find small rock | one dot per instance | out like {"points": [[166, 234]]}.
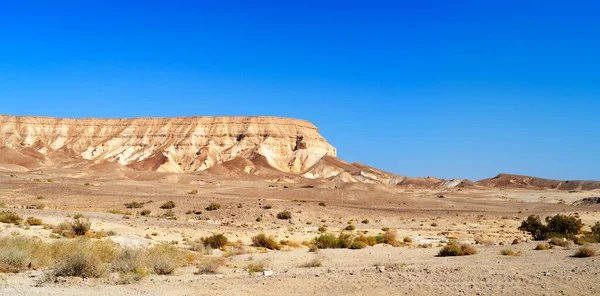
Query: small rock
{"points": [[268, 273]]}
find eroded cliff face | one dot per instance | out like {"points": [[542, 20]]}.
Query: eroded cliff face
{"points": [[182, 144]]}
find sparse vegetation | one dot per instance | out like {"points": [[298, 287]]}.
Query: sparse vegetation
{"points": [[322, 204], [407, 240], [350, 227], [454, 249], [213, 206], [264, 241], [285, 215], [365, 221], [145, 212], [168, 205], [267, 207], [322, 228]]}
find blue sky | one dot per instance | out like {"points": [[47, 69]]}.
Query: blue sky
{"points": [[453, 89]]}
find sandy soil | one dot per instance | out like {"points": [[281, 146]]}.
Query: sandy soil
{"points": [[488, 216]]}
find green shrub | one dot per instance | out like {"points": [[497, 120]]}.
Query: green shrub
{"points": [[330, 241], [365, 221], [285, 215], [596, 232], [78, 216], [350, 227], [213, 206], [168, 205], [322, 228], [358, 245], [215, 241], [454, 249], [10, 217], [557, 226], [263, 241]]}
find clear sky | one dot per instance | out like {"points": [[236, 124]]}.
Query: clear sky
{"points": [[453, 89]]}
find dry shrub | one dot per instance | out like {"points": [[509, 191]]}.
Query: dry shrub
{"points": [[168, 205], [585, 252], [130, 261], [213, 206], [84, 258], [77, 227], [264, 241], [32, 221], [390, 238], [211, 266], [16, 252], [407, 240], [285, 215], [215, 241], [81, 264], [350, 227], [163, 259], [199, 246], [10, 217], [454, 249]]}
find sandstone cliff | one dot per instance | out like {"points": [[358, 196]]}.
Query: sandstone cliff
{"points": [[182, 144]]}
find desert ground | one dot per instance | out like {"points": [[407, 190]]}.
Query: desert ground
{"points": [[487, 218]]}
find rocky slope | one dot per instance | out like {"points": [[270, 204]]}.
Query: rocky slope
{"points": [[182, 144]]}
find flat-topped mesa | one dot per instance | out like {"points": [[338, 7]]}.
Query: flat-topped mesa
{"points": [[179, 144]]}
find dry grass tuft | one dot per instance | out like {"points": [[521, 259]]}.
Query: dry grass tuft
{"points": [[584, 252]]}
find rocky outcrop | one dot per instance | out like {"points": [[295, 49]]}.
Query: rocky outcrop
{"points": [[181, 144]]}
